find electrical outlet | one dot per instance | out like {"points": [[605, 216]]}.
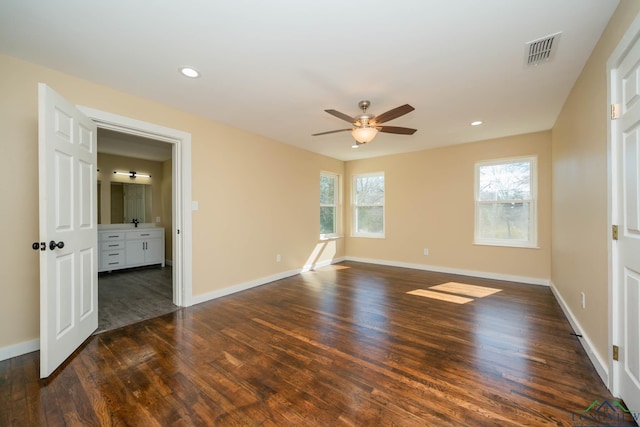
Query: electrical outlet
{"points": [[426, 251], [583, 300], [278, 258]]}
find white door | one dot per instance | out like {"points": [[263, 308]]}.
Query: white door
{"points": [[68, 270], [626, 137]]}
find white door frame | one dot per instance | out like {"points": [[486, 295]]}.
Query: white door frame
{"points": [[615, 329], [181, 187]]}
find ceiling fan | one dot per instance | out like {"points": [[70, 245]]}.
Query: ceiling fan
{"points": [[366, 126]]}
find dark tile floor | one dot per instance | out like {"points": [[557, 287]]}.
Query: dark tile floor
{"points": [[131, 295]]}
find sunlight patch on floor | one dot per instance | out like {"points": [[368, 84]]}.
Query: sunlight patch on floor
{"points": [[451, 292], [440, 296], [464, 289]]}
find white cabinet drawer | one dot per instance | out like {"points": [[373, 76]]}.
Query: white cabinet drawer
{"points": [[144, 234], [112, 259], [111, 235], [110, 246]]}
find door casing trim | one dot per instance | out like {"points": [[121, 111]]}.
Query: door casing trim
{"points": [[181, 183]]}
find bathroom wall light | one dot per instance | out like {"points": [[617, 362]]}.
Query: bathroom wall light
{"points": [[133, 174]]}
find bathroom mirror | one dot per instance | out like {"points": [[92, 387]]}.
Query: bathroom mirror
{"points": [[129, 202]]}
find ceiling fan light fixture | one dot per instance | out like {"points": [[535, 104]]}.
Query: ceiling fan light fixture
{"points": [[363, 135]]}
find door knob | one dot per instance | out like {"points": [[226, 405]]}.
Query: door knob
{"points": [[39, 245], [53, 245]]}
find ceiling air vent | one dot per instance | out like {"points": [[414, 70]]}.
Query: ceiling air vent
{"points": [[541, 50]]}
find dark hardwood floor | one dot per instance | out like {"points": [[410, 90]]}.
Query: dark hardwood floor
{"points": [[134, 294], [342, 346]]}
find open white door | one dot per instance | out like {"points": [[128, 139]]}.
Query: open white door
{"points": [[68, 264], [626, 308]]}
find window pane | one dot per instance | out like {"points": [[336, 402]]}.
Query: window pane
{"points": [[327, 220], [370, 190], [504, 221], [369, 219], [327, 190], [509, 181]]}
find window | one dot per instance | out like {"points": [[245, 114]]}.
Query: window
{"points": [[506, 202], [368, 205], [328, 204]]}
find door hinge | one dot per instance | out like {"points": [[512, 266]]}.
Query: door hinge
{"points": [[615, 111], [614, 232], [616, 351]]}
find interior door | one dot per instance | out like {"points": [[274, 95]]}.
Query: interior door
{"points": [[626, 136], [69, 263]]}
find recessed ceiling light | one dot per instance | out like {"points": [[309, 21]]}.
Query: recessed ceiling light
{"points": [[189, 72], [476, 123]]}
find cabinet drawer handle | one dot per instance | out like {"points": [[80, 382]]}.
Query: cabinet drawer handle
{"points": [[145, 234], [112, 246], [113, 263], [114, 254], [113, 236]]}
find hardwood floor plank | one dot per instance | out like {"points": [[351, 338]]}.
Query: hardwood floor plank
{"points": [[333, 347]]}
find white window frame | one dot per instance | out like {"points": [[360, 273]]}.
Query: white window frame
{"points": [[335, 205], [532, 242], [355, 206]]}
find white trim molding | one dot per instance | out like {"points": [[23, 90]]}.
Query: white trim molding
{"points": [[261, 281], [598, 362], [19, 349], [473, 273], [181, 189]]}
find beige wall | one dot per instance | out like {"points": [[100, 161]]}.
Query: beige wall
{"points": [[580, 189], [107, 163], [429, 203], [258, 197]]}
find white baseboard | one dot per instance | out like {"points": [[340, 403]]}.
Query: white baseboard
{"points": [[19, 349], [309, 267], [261, 281], [473, 273], [197, 299], [598, 362]]}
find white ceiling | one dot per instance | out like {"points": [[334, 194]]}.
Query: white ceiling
{"points": [[272, 67]]}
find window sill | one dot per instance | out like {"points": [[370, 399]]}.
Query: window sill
{"points": [[369, 236], [508, 245], [331, 237]]}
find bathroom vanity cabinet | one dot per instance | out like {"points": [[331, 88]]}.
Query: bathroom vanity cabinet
{"points": [[130, 247]]}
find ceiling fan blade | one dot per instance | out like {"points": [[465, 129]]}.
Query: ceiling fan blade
{"points": [[394, 114], [396, 129], [331, 131], [342, 116]]}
